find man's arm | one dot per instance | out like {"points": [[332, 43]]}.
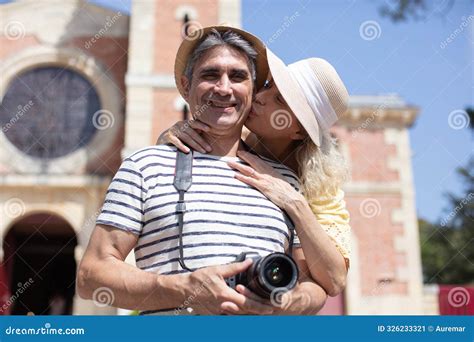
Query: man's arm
{"points": [[103, 265]]}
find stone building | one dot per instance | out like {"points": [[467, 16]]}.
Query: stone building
{"points": [[82, 86]]}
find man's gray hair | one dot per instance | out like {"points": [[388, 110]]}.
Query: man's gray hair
{"points": [[228, 38]]}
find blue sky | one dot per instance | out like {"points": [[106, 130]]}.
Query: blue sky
{"points": [[408, 58]]}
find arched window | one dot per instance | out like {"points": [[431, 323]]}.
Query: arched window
{"points": [[47, 112]]}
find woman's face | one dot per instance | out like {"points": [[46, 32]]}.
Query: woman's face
{"points": [[270, 116]]}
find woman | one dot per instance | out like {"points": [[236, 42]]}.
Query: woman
{"points": [[289, 122]]}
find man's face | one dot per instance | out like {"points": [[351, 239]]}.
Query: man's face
{"points": [[221, 89]]}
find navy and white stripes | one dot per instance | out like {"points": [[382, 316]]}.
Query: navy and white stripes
{"points": [[224, 216]]}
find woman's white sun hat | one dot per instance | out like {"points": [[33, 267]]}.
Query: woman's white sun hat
{"points": [[313, 90]]}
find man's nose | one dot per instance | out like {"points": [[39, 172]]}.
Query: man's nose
{"points": [[223, 86]]}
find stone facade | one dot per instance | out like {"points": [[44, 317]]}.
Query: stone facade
{"points": [[93, 42], [385, 275]]}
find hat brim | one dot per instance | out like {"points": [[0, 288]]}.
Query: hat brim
{"points": [[189, 44], [294, 97]]}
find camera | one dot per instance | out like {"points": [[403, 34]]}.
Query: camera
{"points": [[268, 276]]}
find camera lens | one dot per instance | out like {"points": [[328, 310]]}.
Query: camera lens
{"points": [[273, 271], [279, 270], [274, 274]]}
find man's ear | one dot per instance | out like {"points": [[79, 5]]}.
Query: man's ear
{"points": [[185, 83]]}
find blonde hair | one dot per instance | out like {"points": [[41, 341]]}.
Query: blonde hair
{"points": [[322, 170]]}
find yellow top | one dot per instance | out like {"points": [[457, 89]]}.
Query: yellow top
{"points": [[333, 216]]}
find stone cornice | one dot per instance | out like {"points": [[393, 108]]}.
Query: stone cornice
{"points": [[60, 21], [374, 112], [56, 181]]}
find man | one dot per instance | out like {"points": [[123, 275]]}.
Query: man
{"points": [[224, 216]]}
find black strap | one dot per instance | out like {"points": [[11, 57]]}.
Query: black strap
{"points": [[183, 178], [291, 227]]}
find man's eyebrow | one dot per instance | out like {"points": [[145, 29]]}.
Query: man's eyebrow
{"points": [[234, 71], [240, 71], [208, 69]]}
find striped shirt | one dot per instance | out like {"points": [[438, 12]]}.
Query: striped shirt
{"points": [[223, 218]]}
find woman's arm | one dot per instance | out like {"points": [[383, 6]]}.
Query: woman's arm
{"points": [[188, 133], [184, 133], [307, 298], [326, 264]]}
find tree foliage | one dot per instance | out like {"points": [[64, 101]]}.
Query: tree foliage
{"points": [[447, 247], [404, 10]]}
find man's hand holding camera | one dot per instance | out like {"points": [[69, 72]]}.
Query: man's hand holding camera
{"points": [[206, 291], [294, 302]]}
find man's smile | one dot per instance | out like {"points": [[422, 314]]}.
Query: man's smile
{"points": [[221, 104]]}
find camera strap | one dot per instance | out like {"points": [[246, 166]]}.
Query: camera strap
{"points": [[183, 178], [291, 227]]}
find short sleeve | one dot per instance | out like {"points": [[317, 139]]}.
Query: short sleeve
{"points": [[123, 205], [333, 216]]}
